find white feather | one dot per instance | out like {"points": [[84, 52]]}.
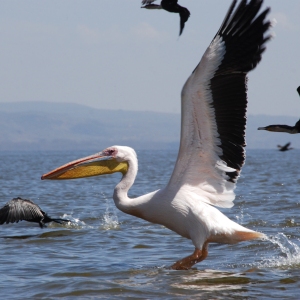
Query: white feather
{"points": [[198, 167]]}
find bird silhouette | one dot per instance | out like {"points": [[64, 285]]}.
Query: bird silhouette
{"points": [[284, 128], [170, 6], [19, 209], [286, 147]]}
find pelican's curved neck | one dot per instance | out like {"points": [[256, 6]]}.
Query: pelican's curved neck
{"points": [[120, 192]]}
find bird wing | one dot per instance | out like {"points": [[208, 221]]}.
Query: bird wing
{"points": [[146, 2], [298, 90], [286, 146], [214, 102], [184, 15], [19, 209]]}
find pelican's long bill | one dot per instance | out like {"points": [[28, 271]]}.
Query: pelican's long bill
{"points": [[93, 165]]}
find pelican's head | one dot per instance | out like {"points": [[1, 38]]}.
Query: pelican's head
{"points": [[110, 160]]}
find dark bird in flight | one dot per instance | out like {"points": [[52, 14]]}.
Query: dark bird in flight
{"points": [[170, 6], [286, 147], [284, 128], [19, 209]]}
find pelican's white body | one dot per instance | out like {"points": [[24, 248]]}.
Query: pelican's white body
{"points": [[179, 210], [199, 181]]}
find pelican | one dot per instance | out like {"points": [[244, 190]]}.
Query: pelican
{"points": [[286, 147], [170, 6], [211, 152], [284, 128], [19, 209]]}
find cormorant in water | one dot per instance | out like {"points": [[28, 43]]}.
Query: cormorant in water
{"points": [[284, 128], [19, 209], [286, 147], [170, 6]]}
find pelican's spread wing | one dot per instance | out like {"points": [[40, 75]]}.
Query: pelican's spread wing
{"points": [[214, 102], [19, 209]]}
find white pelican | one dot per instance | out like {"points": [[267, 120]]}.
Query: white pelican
{"points": [[18, 209], [170, 6], [211, 153], [284, 128]]}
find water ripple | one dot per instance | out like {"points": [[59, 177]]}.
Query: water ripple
{"points": [[104, 254]]}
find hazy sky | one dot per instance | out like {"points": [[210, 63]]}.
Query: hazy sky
{"points": [[112, 54]]}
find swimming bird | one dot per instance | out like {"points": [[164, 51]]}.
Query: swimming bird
{"points": [[286, 147], [19, 209], [211, 152], [283, 128], [170, 6]]}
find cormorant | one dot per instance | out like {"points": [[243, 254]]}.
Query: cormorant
{"points": [[19, 209], [286, 147], [284, 128], [170, 6]]}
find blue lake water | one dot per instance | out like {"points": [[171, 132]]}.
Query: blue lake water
{"points": [[105, 254]]}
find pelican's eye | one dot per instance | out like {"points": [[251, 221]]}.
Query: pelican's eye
{"points": [[110, 152]]}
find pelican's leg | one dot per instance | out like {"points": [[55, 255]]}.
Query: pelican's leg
{"points": [[187, 262]]}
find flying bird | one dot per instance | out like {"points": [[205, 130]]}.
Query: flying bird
{"points": [[286, 147], [170, 6], [211, 153], [19, 209], [284, 128]]}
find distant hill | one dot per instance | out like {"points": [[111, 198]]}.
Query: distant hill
{"points": [[64, 126], [53, 126]]}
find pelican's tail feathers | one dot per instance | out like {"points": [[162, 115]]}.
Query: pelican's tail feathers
{"points": [[240, 236]]}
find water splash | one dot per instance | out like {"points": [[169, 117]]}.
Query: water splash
{"points": [[289, 256], [240, 217], [243, 217], [74, 222], [110, 218]]}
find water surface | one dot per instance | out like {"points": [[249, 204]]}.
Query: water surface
{"points": [[105, 254]]}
